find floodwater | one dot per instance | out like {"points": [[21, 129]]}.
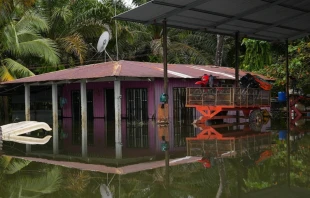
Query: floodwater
{"points": [[229, 160]]}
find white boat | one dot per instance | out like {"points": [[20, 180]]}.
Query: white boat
{"points": [[12, 132]]}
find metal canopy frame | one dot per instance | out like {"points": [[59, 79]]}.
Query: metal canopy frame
{"points": [[270, 20]]}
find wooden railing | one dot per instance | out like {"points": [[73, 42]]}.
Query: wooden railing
{"points": [[227, 96]]}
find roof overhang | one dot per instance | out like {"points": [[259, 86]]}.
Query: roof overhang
{"points": [[270, 20]]}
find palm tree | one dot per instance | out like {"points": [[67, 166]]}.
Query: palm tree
{"points": [[22, 43], [75, 24], [257, 54]]}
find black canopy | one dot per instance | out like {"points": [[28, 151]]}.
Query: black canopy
{"points": [[270, 20]]}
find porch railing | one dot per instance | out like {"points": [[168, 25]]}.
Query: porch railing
{"points": [[227, 96], [229, 147]]}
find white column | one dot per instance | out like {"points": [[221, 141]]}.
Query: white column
{"points": [[118, 126], [84, 117], [55, 119], [27, 111]]}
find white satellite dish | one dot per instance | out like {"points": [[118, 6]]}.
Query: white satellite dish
{"points": [[105, 191], [103, 41]]}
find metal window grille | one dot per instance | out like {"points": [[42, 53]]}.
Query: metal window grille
{"points": [[137, 110], [183, 118], [137, 136]]}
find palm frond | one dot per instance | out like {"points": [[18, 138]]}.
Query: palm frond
{"points": [[45, 49], [9, 40], [30, 186], [5, 75], [187, 54], [74, 44], [16, 68], [61, 14], [5, 161], [6, 8], [96, 27], [34, 21], [27, 35], [10, 165]]}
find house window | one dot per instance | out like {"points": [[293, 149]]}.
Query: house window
{"points": [[183, 118], [137, 110]]}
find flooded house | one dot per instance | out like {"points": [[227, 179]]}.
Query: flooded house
{"points": [[112, 104]]}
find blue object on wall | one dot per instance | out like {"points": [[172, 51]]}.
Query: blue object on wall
{"points": [[281, 96], [164, 98], [282, 134]]}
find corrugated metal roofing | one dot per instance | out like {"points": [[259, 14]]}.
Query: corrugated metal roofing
{"points": [[131, 69], [260, 19]]}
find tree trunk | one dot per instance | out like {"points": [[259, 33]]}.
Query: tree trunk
{"points": [[219, 50]]}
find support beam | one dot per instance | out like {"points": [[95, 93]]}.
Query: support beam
{"points": [[55, 119], [118, 119], [165, 57], [165, 49], [84, 117], [288, 115], [237, 45], [27, 111]]}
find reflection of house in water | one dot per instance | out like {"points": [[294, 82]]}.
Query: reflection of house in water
{"points": [[138, 139], [228, 140]]}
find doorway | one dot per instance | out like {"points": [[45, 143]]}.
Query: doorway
{"points": [[110, 117], [76, 104]]}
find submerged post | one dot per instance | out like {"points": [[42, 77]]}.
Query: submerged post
{"points": [[237, 68], [27, 111], [287, 114], [165, 49], [84, 117], [118, 129], [237, 59], [55, 118]]}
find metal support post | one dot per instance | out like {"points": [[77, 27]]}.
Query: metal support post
{"points": [[84, 117], [55, 118], [118, 119]]}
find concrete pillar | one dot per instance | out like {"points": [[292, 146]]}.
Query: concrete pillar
{"points": [[55, 119], [27, 111], [84, 117], [118, 119]]}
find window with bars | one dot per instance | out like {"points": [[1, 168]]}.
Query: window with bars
{"points": [[183, 117], [137, 136], [137, 110]]}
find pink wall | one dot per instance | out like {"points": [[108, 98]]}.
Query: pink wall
{"points": [[99, 96]]}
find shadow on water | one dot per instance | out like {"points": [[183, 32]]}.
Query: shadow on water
{"points": [[234, 161]]}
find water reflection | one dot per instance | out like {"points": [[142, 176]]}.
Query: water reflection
{"points": [[243, 163], [139, 140]]}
